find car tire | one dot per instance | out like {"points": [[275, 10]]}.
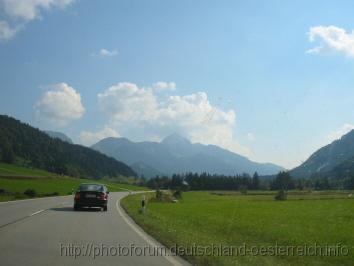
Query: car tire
{"points": [[105, 208]]}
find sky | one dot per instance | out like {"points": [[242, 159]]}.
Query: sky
{"points": [[271, 80]]}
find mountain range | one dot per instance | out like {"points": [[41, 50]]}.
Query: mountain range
{"points": [[333, 160], [176, 154]]}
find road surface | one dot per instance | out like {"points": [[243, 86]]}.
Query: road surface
{"points": [[48, 232]]}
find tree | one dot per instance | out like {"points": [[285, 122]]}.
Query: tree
{"points": [[283, 181], [255, 181], [349, 183], [7, 154]]}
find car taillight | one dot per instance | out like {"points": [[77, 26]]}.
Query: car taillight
{"points": [[103, 196], [77, 196]]}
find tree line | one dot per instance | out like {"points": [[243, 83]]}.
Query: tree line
{"points": [[282, 181]]}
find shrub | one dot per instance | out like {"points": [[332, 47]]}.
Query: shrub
{"points": [[164, 196], [243, 190], [158, 194], [177, 194], [30, 193], [51, 194], [281, 195]]}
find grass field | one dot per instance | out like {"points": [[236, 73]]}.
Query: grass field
{"points": [[15, 180], [234, 219]]}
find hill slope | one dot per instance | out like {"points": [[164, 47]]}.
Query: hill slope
{"points": [[21, 142], [176, 154], [335, 159]]}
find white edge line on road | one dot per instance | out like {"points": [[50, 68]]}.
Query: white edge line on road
{"points": [[143, 234], [37, 212]]}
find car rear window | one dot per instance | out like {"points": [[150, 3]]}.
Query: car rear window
{"points": [[91, 187]]}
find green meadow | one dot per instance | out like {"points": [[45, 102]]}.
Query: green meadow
{"points": [[14, 180], [203, 219]]}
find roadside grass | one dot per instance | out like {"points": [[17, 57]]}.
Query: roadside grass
{"points": [[15, 180], [255, 219]]}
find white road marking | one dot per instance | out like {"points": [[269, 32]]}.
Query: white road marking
{"points": [[37, 212], [143, 235]]}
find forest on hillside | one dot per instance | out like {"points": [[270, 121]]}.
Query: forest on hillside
{"points": [[22, 144]]}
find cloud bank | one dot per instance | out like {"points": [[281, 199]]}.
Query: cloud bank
{"points": [[60, 105], [145, 113], [88, 138]]}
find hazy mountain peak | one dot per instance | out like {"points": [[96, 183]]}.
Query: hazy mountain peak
{"points": [[175, 139], [59, 135]]}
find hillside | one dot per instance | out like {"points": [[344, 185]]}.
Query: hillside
{"points": [[21, 143], [333, 160], [176, 154]]}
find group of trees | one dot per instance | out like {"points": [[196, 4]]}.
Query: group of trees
{"points": [[21, 142], [205, 181], [282, 181]]}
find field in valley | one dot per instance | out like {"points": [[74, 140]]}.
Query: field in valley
{"points": [[15, 180], [256, 219]]}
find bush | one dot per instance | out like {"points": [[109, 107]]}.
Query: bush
{"points": [[243, 190], [158, 194], [51, 194], [281, 195], [164, 196], [30, 193], [177, 194]]}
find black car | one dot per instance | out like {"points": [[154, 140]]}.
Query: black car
{"points": [[91, 195]]}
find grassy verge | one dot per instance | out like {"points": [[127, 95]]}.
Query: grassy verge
{"points": [[15, 180], [234, 219]]}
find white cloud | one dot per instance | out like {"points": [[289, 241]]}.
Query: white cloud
{"points": [[103, 53], [333, 38], [6, 31], [23, 11], [337, 134], [60, 105], [31, 9], [89, 138], [163, 86], [142, 113]]}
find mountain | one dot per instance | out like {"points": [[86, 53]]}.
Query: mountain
{"points": [[176, 154], [333, 160], [21, 143], [58, 135], [145, 170]]}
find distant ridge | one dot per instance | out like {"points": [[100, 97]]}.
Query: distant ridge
{"points": [[176, 154], [59, 135]]}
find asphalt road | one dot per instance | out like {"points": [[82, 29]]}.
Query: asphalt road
{"points": [[48, 232]]}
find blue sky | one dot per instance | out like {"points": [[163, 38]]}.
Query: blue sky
{"points": [[272, 80]]}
